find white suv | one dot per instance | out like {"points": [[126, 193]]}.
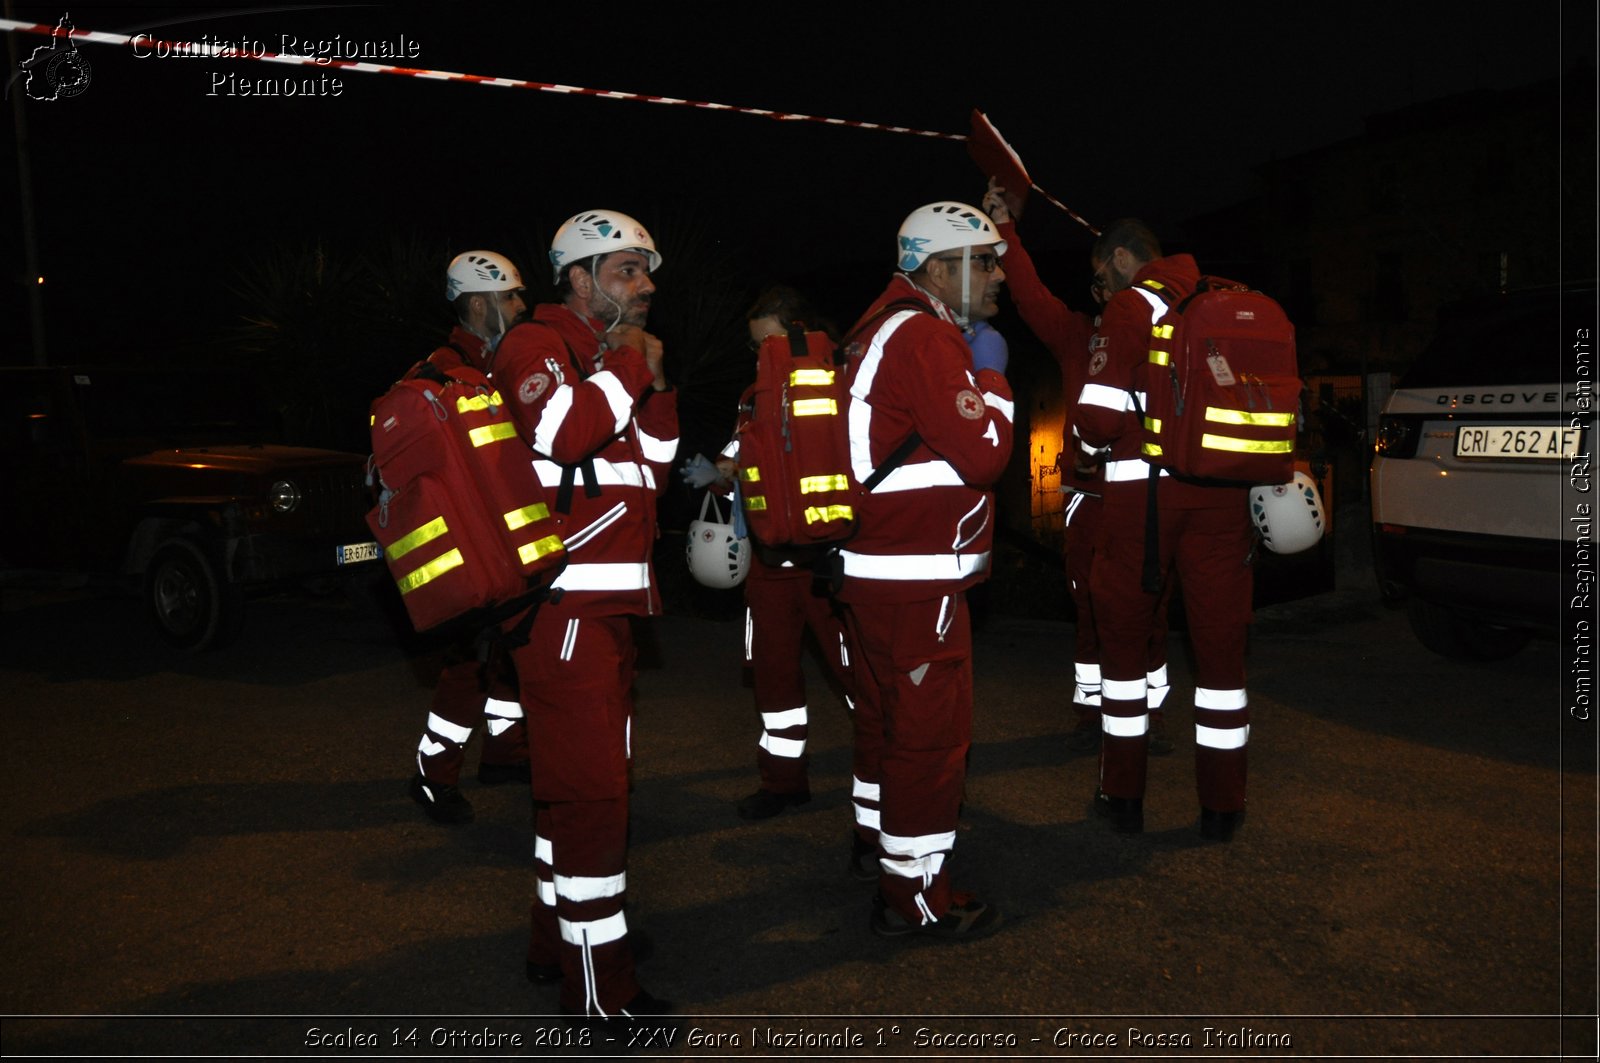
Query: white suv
{"points": [[1472, 453]]}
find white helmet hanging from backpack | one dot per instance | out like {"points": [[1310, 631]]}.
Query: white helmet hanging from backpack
{"points": [[718, 556], [1288, 516], [480, 271], [599, 232]]}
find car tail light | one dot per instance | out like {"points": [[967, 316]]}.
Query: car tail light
{"points": [[1397, 436]]}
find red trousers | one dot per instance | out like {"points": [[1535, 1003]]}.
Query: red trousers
{"points": [[1205, 537], [913, 728], [1082, 535], [780, 606], [576, 677], [471, 690]]}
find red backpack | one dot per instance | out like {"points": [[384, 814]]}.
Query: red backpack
{"points": [[794, 441], [463, 519], [1223, 388]]}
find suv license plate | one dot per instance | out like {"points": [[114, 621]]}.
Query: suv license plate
{"points": [[349, 555], [1517, 441]]}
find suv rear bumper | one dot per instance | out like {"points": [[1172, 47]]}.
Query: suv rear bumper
{"points": [[1502, 580]]}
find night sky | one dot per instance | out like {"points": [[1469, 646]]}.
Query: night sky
{"points": [[153, 196]]}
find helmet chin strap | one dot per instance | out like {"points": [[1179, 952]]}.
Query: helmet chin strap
{"points": [[965, 315], [490, 342], [594, 276]]}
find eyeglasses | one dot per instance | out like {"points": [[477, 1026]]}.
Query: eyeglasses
{"points": [[985, 262]]}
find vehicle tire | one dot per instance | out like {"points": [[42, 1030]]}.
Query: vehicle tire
{"points": [[193, 606], [1461, 638]]}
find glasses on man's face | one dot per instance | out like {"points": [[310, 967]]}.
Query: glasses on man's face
{"points": [[985, 262]]}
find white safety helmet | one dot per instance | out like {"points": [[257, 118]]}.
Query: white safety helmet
{"points": [[1289, 516], [717, 557], [942, 227], [599, 232], [480, 271]]}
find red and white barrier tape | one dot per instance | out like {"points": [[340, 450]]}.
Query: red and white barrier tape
{"points": [[226, 52]]}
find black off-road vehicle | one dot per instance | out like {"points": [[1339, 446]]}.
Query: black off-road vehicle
{"points": [[167, 482]]}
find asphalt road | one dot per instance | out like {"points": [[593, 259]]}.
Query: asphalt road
{"points": [[215, 855]]}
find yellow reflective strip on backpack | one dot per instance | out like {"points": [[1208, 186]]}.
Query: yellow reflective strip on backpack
{"points": [[756, 502], [815, 407], [432, 570], [521, 518], [1247, 446], [1258, 420], [810, 485], [1153, 424], [1155, 286], [411, 540], [1159, 357], [1161, 332], [492, 433], [530, 552], [810, 377], [1151, 450], [816, 513], [469, 403], [751, 475]]}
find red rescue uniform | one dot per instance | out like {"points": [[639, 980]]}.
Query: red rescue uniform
{"points": [[469, 690], [1204, 536], [1072, 338], [924, 537], [603, 441]]}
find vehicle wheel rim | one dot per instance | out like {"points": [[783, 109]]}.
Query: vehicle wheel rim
{"points": [[177, 596]]}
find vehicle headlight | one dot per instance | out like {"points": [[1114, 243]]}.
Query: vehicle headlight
{"points": [[285, 496]]}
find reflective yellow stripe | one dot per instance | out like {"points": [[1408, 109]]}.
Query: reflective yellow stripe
{"points": [[492, 433], [1159, 357], [750, 475], [1247, 446], [755, 502], [1153, 424], [816, 513], [410, 541], [531, 552], [810, 377], [437, 567], [1260, 420], [1155, 286], [810, 485], [1161, 332], [1151, 450], [521, 518], [466, 404], [815, 407]]}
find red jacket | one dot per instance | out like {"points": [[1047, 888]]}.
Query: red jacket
{"points": [[925, 531], [1068, 335], [581, 408]]}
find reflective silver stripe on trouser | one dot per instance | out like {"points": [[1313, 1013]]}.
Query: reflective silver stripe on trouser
{"points": [[500, 716], [1086, 684], [1156, 687], [919, 857], [569, 642], [1124, 690], [780, 721], [544, 854], [866, 818], [586, 936], [1221, 701], [749, 634], [450, 733]]}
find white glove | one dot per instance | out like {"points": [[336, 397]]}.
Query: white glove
{"points": [[699, 472]]}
